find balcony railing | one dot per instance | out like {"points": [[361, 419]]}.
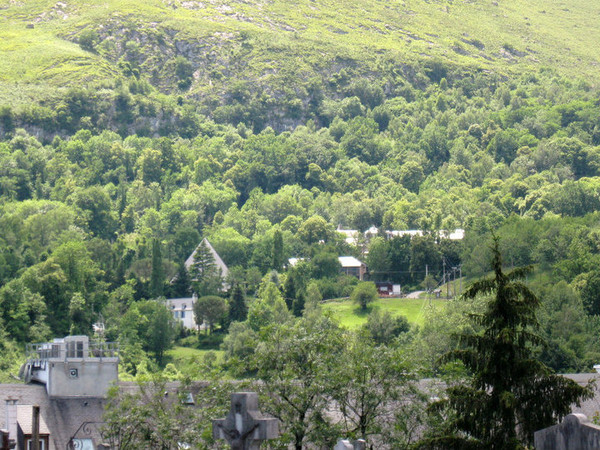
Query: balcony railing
{"points": [[72, 349]]}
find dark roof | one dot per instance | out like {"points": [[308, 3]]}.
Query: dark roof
{"points": [[25, 420], [62, 416]]}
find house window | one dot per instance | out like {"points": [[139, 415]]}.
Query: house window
{"points": [[42, 444], [175, 314], [75, 349], [183, 314]]}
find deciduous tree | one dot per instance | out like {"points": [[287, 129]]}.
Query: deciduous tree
{"points": [[210, 309], [364, 293]]}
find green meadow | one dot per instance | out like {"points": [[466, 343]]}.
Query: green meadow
{"points": [[275, 41], [351, 316]]}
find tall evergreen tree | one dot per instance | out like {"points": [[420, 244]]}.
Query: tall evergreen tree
{"points": [[181, 284], [238, 311], [289, 289], [204, 262], [298, 306], [157, 277], [511, 394], [278, 258], [205, 274]]}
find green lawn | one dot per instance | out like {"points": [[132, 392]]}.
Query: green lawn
{"points": [[350, 315], [184, 357]]}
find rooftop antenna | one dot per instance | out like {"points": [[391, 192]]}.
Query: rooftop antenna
{"points": [[99, 328]]}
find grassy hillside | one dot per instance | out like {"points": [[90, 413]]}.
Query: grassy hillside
{"points": [[274, 43]]}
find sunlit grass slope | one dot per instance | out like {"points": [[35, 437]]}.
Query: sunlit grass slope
{"points": [[303, 35], [351, 316]]}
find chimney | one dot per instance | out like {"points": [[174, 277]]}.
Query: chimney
{"points": [[11, 417]]}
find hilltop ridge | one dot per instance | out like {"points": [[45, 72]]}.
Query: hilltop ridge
{"points": [[280, 46]]}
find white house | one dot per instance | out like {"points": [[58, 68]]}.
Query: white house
{"points": [[350, 236], [183, 311]]}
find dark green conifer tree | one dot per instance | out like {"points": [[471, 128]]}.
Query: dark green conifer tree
{"points": [[205, 274], [278, 258], [204, 262], [157, 277], [289, 289], [298, 306], [238, 311], [181, 284], [511, 394]]}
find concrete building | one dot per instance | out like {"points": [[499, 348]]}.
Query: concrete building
{"points": [[72, 366], [68, 379]]}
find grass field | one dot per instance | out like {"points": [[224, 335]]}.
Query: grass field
{"points": [[38, 38], [184, 357], [350, 315]]}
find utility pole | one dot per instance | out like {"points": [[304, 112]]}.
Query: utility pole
{"points": [[427, 283], [460, 279], [35, 435], [444, 282], [454, 281]]}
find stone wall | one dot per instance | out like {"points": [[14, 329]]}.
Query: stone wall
{"points": [[575, 432]]}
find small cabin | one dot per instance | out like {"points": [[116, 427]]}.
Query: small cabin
{"points": [[352, 266]]}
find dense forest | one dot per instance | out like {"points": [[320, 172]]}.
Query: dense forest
{"points": [[114, 170]]}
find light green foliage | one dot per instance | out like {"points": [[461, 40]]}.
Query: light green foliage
{"points": [[293, 364], [23, 313], [268, 308], [238, 346], [363, 294], [378, 260], [80, 315], [314, 230], [369, 378], [384, 328], [147, 418], [150, 325], [325, 264]]}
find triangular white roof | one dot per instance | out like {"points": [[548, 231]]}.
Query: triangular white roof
{"points": [[218, 261]]}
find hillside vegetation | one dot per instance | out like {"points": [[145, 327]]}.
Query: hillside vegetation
{"points": [[130, 131], [283, 50]]}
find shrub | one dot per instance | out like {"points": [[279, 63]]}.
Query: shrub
{"points": [[364, 293]]}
